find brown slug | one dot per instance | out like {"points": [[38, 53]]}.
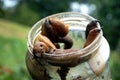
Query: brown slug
{"points": [[90, 26], [68, 42], [44, 39], [93, 33], [59, 27], [40, 48], [57, 32]]}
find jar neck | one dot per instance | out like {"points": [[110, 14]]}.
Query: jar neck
{"points": [[65, 57]]}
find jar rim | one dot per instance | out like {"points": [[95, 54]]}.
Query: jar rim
{"points": [[88, 49]]}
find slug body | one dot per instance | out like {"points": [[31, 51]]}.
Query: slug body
{"points": [[59, 27], [42, 38], [90, 26], [57, 32], [39, 49], [91, 36]]}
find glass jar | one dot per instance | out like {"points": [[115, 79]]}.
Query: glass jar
{"points": [[94, 59]]}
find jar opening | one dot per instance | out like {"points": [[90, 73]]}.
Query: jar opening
{"points": [[77, 23]]}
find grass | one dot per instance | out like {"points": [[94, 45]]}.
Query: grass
{"points": [[11, 29], [13, 37], [13, 49], [115, 65]]}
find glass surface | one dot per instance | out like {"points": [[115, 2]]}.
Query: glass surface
{"points": [[77, 25]]}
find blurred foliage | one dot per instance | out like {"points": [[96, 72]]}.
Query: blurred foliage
{"points": [[108, 12], [1, 10], [30, 11], [115, 65]]}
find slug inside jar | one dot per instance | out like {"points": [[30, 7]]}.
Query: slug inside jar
{"points": [[81, 62]]}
